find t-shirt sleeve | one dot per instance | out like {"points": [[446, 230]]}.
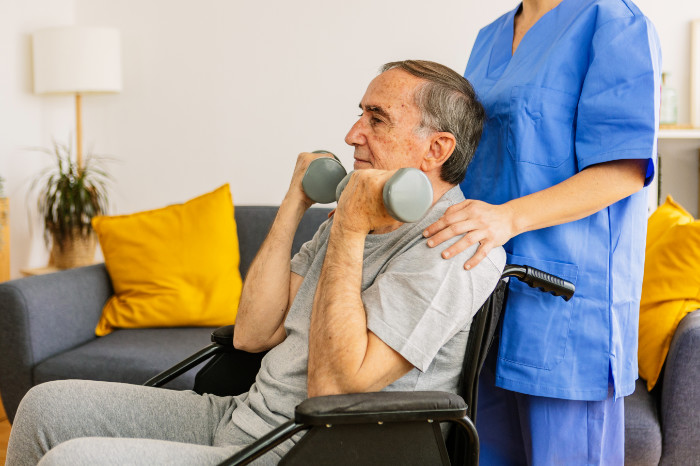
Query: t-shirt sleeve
{"points": [[419, 301], [618, 110], [301, 262]]}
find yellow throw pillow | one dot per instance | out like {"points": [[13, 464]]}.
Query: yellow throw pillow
{"points": [[671, 287], [665, 217], [172, 267]]}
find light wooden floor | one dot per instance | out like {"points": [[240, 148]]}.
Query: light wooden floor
{"points": [[4, 434]]}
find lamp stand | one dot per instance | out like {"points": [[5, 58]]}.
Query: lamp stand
{"points": [[78, 133]]}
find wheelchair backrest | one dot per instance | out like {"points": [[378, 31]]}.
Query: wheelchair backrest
{"points": [[481, 333]]}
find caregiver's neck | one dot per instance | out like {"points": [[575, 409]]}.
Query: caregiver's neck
{"points": [[531, 11]]}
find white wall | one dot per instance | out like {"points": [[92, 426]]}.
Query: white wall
{"points": [[26, 120], [220, 91]]}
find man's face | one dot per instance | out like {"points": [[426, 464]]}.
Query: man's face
{"points": [[385, 136]]}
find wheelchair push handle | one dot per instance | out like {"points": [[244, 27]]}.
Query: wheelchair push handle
{"points": [[537, 278]]}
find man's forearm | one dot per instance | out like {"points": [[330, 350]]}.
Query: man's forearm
{"points": [[266, 291], [338, 336]]}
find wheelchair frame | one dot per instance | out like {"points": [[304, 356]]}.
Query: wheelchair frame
{"points": [[411, 416]]}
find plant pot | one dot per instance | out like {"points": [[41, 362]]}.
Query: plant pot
{"points": [[76, 251]]}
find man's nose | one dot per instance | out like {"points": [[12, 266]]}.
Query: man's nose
{"points": [[355, 136]]}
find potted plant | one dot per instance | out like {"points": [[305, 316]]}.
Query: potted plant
{"points": [[69, 197]]}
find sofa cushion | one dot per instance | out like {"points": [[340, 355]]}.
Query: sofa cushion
{"points": [[131, 356], [642, 428], [172, 267]]}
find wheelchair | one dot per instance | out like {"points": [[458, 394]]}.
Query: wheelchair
{"points": [[369, 428]]}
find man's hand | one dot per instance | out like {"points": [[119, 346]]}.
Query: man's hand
{"points": [[490, 225], [361, 206], [295, 189]]}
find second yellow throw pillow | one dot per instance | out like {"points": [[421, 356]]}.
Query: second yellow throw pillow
{"points": [[671, 287], [172, 267]]}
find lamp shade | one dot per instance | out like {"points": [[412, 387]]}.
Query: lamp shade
{"points": [[77, 60]]}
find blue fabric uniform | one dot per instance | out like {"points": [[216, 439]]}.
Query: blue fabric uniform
{"points": [[518, 429], [582, 88]]}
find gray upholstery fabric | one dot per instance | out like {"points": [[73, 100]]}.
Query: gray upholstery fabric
{"points": [[43, 316], [642, 429], [47, 323], [253, 223], [680, 399], [668, 432], [131, 356]]}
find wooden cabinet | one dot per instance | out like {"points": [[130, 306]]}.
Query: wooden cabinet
{"points": [[4, 239]]}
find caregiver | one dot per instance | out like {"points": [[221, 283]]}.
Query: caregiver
{"points": [[571, 91]]}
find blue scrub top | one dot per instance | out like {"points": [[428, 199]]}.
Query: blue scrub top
{"points": [[582, 88]]}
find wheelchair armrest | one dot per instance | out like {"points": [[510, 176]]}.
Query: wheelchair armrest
{"points": [[363, 408], [379, 407], [222, 340], [223, 335]]}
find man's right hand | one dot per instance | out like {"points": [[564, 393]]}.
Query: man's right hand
{"points": [[296, 192], [361, 207]]}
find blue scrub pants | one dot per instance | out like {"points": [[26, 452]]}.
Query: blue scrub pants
{"points": [[523, 429]]}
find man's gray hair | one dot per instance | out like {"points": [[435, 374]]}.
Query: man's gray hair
{"points": [[447, 102]]}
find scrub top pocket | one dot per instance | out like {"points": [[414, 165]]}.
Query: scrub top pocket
{"points": [[540, 125], [538, 323]]}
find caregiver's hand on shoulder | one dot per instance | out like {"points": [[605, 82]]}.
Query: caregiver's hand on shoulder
{"points": [[479, 222]]}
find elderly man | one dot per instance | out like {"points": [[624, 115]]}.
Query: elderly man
{"points": [[364, 306]]}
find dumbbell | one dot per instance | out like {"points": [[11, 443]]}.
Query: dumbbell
{"points": [[407, 195], [321, 178]]}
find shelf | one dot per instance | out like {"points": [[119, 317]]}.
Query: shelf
{"points": [[679, 133], [39, 271]]}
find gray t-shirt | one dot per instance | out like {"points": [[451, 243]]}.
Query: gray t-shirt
{"points": [[418, 303]]}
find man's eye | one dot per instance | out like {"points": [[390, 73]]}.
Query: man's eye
{"points": [[373, 120]]}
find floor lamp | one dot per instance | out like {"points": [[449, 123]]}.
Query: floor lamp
{"points": [[77, 60]]}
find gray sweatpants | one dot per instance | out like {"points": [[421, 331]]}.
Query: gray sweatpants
{"points": [[78, 422]]}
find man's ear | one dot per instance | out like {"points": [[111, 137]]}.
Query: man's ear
{"points": [[442, 145]]}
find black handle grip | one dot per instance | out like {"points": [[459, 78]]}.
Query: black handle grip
{"points": [[536, 278]]}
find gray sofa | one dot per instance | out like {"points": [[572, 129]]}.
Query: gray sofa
{"points": [[47, 323], [663, 427]]}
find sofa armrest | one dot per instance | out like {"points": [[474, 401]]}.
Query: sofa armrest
{"points": [[680, 399], [43, 316]]}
